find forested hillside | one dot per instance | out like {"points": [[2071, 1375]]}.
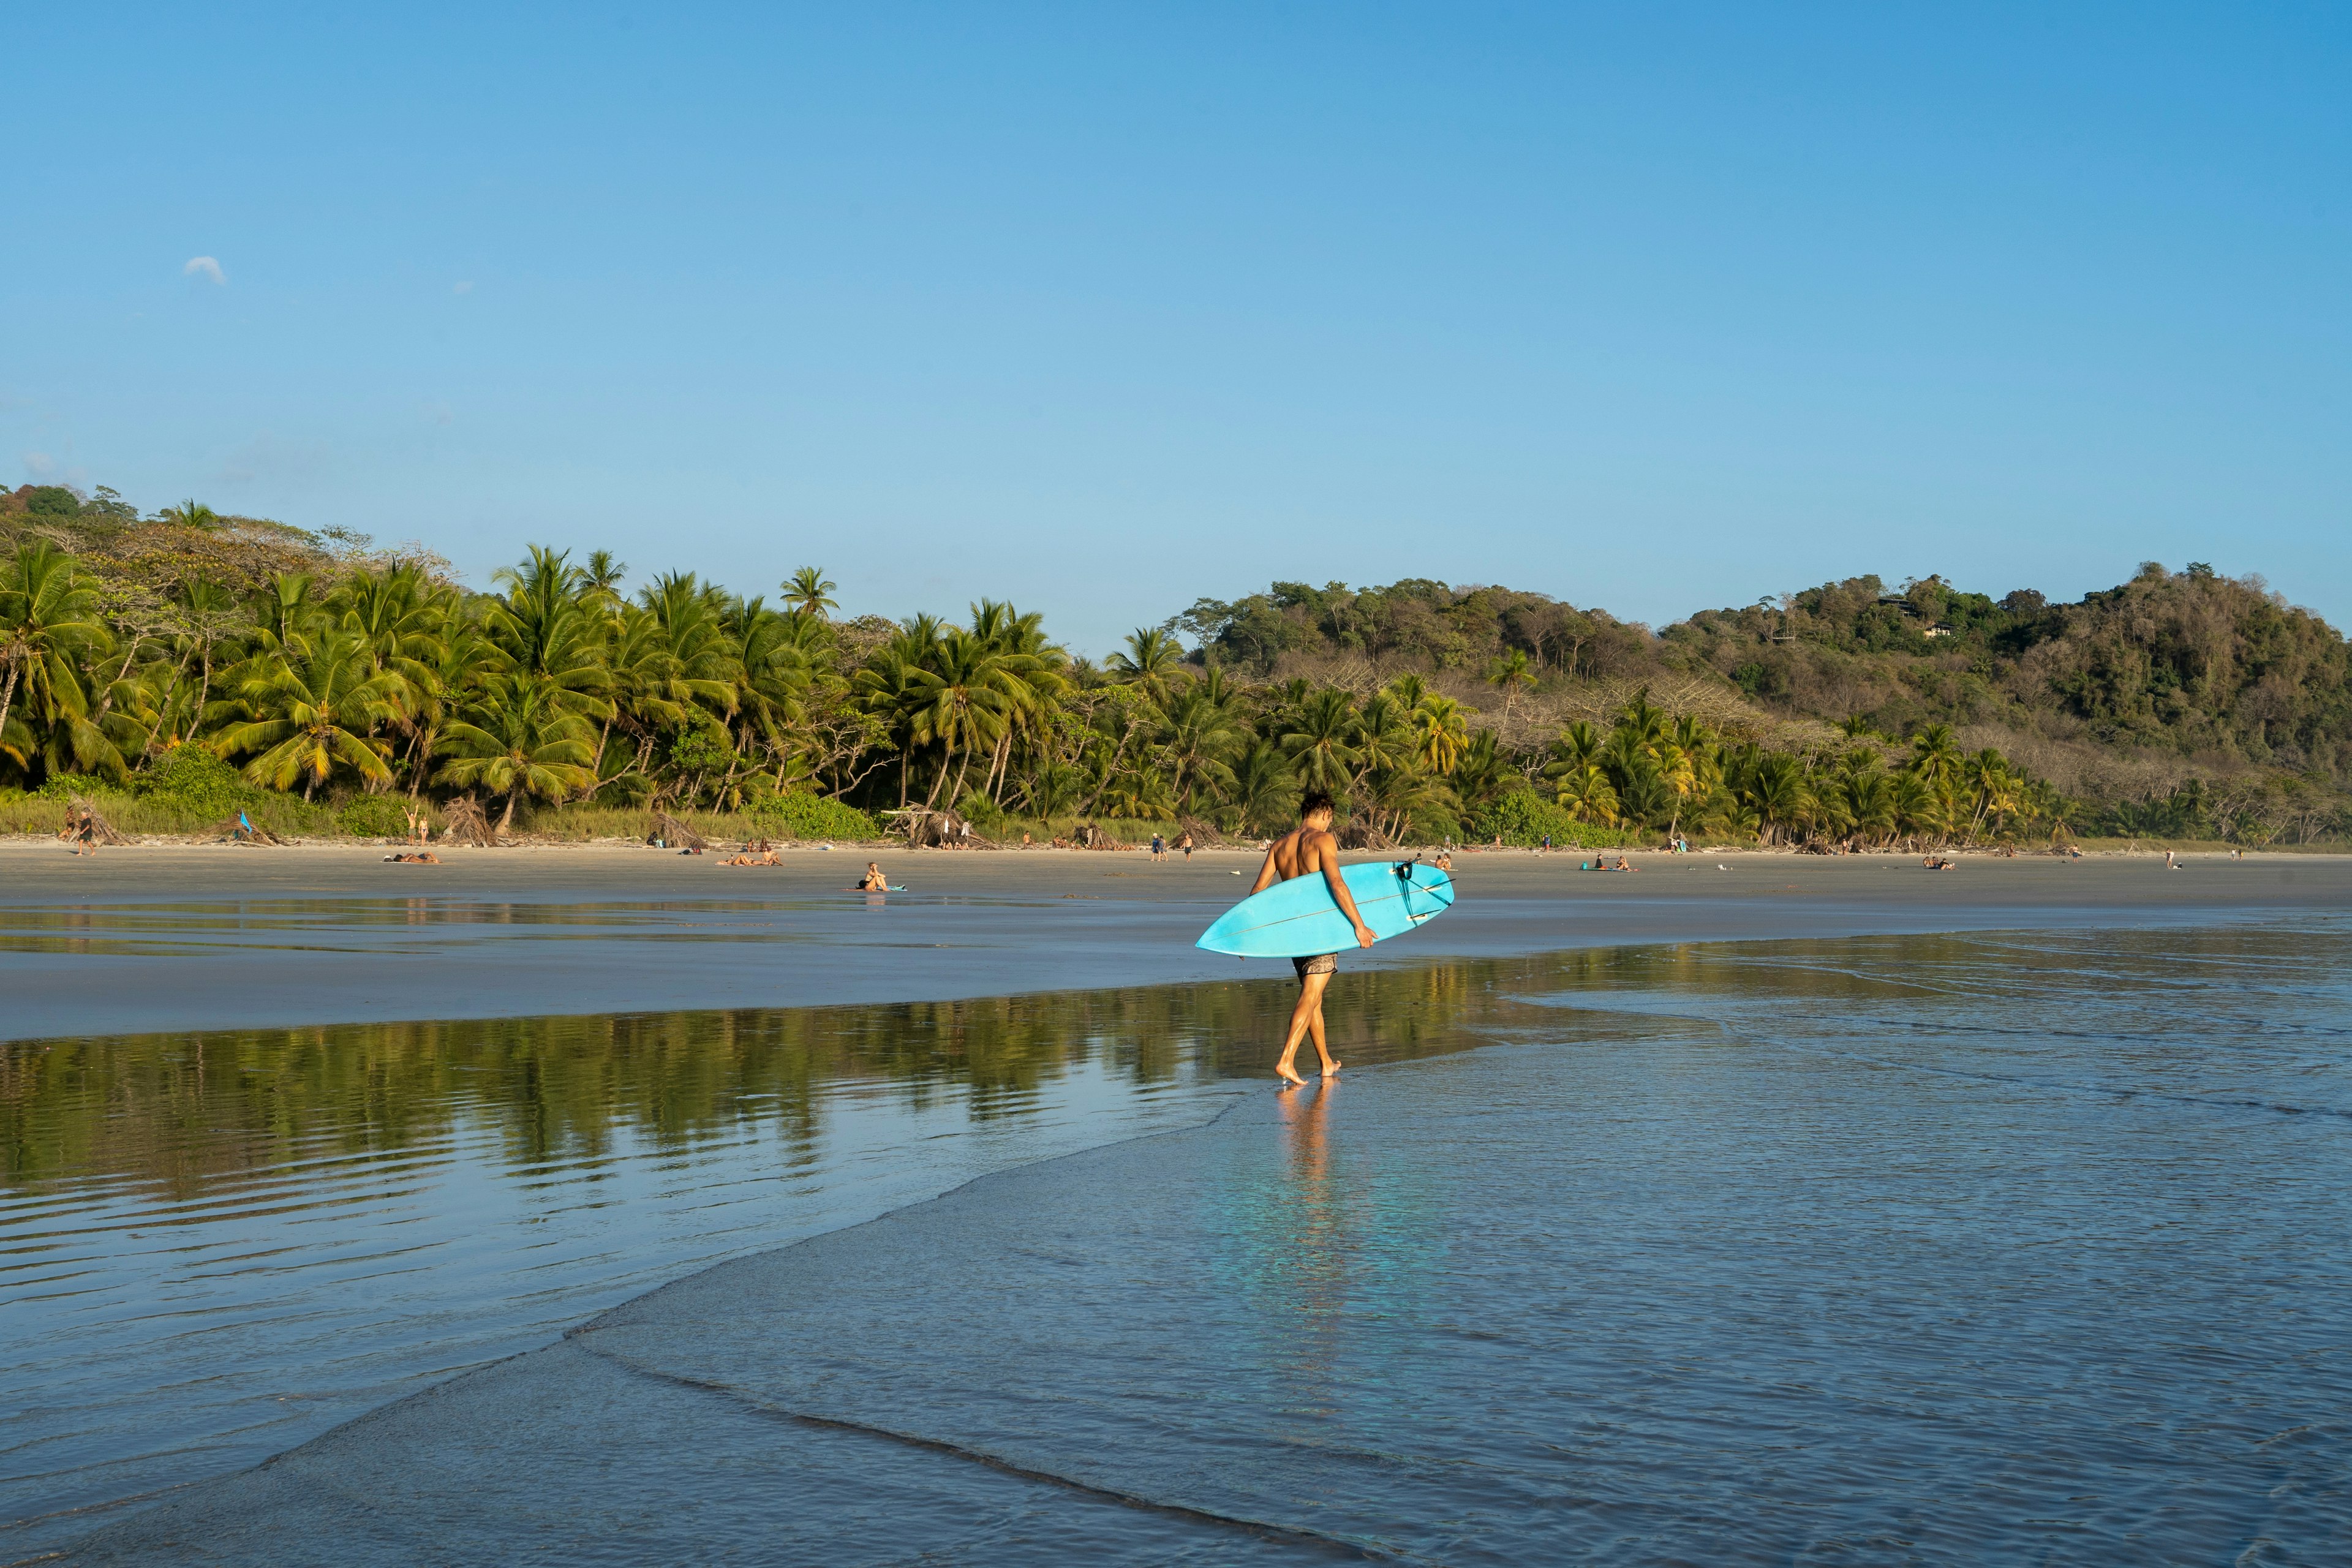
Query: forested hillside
{"points": [[232, 663]]}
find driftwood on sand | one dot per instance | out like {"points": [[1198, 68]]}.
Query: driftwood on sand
{"points": [[928, 829], [81, 809], [1361, 835], [464, 821], [674, 832], [245, 830]]}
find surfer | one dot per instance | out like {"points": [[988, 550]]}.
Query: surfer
{"points": [[1302, 851]]}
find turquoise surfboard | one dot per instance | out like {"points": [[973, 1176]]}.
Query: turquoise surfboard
{"points": [[1297, 919]]}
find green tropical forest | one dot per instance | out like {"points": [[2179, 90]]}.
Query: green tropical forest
{"points": [[179, 669]]}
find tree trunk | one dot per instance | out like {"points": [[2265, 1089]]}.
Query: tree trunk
{"points": [[506, 818], [119, 674], [7, 696], [931, 799]]}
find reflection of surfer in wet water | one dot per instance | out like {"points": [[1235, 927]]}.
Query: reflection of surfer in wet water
{"points": [[1302, 851]]}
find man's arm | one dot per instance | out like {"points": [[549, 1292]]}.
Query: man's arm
{"points": [[1265, 877], [1327, 850]]}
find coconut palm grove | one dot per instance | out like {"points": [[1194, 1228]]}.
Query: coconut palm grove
{"points": [[184, 668]]}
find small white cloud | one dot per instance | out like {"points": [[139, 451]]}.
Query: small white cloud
{"points": [[464, 288], [41, 466], [204, 266]]}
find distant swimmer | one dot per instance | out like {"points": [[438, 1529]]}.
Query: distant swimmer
{"points": [[1302, 852]]}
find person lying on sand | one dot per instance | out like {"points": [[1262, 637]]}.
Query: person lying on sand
{"points": [[422, 857], [872, 882]]}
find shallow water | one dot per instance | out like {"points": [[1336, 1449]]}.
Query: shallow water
{"points": [[215, 1247], [1895, 1249]]}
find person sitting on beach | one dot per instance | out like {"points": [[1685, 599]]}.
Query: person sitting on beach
{"points": [[872, 882], [1623, 866], [1444, 861], [1304, 851]]}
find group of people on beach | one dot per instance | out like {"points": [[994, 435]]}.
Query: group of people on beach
{"points": [[1160, 845]]}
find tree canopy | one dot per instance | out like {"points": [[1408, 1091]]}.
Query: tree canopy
{"points": [[1849, 714]]}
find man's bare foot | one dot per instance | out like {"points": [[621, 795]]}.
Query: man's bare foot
{"points": [[1290, 1079], [1331, 1069]]}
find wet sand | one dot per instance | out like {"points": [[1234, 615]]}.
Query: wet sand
{"points": [[156, 937]]}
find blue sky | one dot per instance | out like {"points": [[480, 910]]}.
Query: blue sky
{"points": [[1102, 309]]}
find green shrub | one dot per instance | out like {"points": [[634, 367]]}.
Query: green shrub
{"points": [[1523, 817], [196, 781], [374, 816], [802, 816], [65, 786]]}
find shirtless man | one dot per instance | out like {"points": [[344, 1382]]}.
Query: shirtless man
{"points": [[1302, 851]]}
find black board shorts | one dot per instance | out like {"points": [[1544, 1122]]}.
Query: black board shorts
{"points": [[1321, 963]]}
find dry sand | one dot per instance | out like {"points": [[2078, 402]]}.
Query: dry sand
{"points": [[170, 938]]}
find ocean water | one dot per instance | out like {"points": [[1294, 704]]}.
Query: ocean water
{"points": [[1933, 1250]]}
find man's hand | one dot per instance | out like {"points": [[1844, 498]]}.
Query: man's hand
{"points": [[1364, 937]]}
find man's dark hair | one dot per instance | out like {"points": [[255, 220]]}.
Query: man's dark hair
{"points": [[1317, 800]]}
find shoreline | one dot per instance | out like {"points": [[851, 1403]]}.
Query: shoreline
{"points": [[159, 938]]}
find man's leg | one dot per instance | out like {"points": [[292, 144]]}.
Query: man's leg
{"points": [[1320, 982], [1308, 1014]]}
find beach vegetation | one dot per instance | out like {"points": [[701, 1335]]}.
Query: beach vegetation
{"points": [[199, 663]]}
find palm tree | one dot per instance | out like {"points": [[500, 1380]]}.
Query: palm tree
{"points": [[1384, 738], [1319, 745], [600, 580], [1513, 674], [701, 664], [1484, 772], [964, 697], [311, 712], [519, 738], [1585, 790], [49, 622], [1643, 720], [545, 629], [1442, 731], [773, 677], [1264, 789], [1150, 663], [1777, 793], [808, 592], [1935, 754], [1197, 737], [1870, 800]]}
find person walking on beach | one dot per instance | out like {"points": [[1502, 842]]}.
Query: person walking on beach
{"points": [[1302, 852], [1185, 844]]}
